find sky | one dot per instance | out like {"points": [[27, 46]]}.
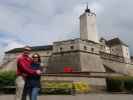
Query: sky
{"points": [[41, 22]]}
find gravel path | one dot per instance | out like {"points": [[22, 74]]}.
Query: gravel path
{"points": [[78, 97]]}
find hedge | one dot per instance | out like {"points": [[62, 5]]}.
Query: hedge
{"points": [[120, 84], [7, 78], [7, 82]]}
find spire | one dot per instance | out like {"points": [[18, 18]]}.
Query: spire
{"points": [[87, 9], [87, 6]]}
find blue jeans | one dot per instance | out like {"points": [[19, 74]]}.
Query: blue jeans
{"points": [[34, 93]]}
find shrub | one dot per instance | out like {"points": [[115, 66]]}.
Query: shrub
{"points": [[55, 87], [7, 78], [119, 84], [81, 87], [114, 85], [128, 84], [58, 87]]}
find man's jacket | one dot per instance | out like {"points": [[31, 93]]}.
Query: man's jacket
{"points": [[24, 66]]}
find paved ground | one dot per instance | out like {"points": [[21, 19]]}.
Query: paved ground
{"points": [[79, 97]]}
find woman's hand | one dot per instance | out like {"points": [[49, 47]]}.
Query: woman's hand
{"points": [[38, 72]]}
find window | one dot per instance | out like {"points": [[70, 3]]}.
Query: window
{"points": [[92, 49], [71, 47], [60, 48], [85, 48]]}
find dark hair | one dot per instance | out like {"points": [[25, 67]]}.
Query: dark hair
{"points": [[38, 56]]}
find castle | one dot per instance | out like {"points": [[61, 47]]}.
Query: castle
{"points": [[83, 54]]}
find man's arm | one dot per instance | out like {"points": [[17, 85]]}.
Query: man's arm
{"points": [[26, 67]]}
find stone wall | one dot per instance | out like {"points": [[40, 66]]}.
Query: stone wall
{"points": [[81, 55], [111, 57], [76, 44], [64, 46], [91, 62], [57, 62]]}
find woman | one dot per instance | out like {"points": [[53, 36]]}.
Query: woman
{"points": [[33, 82]]}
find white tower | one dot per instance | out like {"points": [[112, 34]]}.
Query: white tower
{"points": [[88, 29]]}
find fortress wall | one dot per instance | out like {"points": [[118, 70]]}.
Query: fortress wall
{"points": [[79, 61], [57, 62], [91, 62]]}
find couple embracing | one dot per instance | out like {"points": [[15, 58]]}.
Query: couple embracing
{"points": [[28, 75]]}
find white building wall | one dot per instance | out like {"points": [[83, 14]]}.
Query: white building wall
{"points": [[126, 53], [77, 44], [116, 50], [105, 49], [121, 50], [89, 47], [88, 29]]}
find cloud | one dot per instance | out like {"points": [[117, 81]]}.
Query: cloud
{"points": [[97, 7], [8, 42], [13, 44], [116, 20], [41, 22]]}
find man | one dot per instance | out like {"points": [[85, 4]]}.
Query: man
{"points": [[24, 69]]}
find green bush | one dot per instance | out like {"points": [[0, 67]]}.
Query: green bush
{"points": [[128, 84], [119, 84], [7, 82], [114, 85], [7, 78]]}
